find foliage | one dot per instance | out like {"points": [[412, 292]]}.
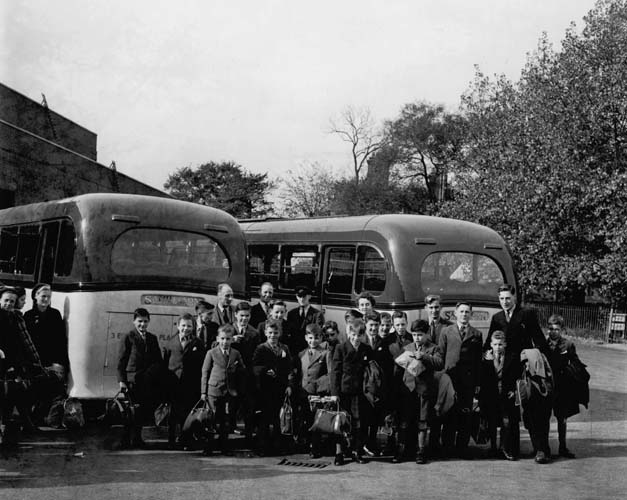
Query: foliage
{"points": [[428, 141], [308, 191], [544, 158], [225, 185]]}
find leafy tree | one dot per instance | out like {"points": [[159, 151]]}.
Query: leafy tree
{"points": [[544, 159], [428, 142], [308, 191], [225, 185]]}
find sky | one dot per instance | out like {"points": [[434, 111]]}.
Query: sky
{"points": [[170, 84]]}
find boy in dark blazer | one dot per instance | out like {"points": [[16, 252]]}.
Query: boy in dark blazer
{"points": [[272, 366], [350, 359], [417, 390], [497, 396], [184, 353], [222, 373], [461, 347], [139, 359]]}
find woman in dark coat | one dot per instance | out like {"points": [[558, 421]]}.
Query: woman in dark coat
{"points": [[567, 397], [46, 327]]}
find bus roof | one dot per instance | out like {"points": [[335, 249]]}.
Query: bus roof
{"points": [[430, 229]]}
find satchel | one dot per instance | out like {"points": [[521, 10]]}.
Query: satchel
{"points": [[73, 417], [54, 418], [331, 421], [478, 425], [119, 410], [162, 414], [286, 418], [199, 422]]}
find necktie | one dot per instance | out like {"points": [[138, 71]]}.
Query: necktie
{"points": [[302, 313], [462, 330], [508, 315], [311, 353], [432, 330], [226, 354]]}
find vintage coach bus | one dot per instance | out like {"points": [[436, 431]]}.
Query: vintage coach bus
{"points": [[399, 259], [107, 254]]}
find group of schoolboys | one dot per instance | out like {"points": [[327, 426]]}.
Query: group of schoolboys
{"points": [[290, 356]]}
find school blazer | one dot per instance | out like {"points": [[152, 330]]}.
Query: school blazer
{"points": [[137, 355], [221, 376], [522, 332], [310, 369], [185, 363], [248, 345], [347, 374], [264, 359], [489, 397], [462, 357], [424, 383]]}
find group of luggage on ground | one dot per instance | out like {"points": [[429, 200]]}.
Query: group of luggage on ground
{"points": [[289, 381]]}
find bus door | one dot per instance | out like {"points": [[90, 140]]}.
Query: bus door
{"points": [[338, 277]]}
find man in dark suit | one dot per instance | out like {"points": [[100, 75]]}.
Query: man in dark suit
{"points": [[185, 354], [139, 362], [206, 329], [461, 347], [261, 311], [436, 322], [301, 316], [522, 331], [223, 313]]}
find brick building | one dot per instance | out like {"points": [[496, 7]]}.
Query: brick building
{"points": [[44, 156]]}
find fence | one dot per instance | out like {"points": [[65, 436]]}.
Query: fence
{"points": [[598, 321]]}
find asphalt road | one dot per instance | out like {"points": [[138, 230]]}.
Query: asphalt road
{"points": [[81, 465]]}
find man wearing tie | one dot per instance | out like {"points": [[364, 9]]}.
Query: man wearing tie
{"points": [[461, 349], [223, 314], [301, 316], [261, 311], [139, 356], [436, 322], [207, 330], [522, 331]]}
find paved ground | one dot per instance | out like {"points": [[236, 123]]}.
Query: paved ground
{"points": [[61, 464]]}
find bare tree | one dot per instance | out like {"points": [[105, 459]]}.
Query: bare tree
{"points": [[307, 191], [356, 126]]}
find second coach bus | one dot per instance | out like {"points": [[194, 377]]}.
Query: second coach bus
{"points": [[399, 259], [106, 255]]}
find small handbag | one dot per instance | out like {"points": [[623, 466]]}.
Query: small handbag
{"points": [[199, 422], [119, 410], [162, 414], [286, 420]]}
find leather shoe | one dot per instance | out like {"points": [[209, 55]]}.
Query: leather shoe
{"points": [[357, 457], [541, 458], [509, 456], [339, 459], [396, 459]]}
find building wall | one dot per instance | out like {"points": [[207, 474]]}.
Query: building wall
{"points": [[40, 162]]}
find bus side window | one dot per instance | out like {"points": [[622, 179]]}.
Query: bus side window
{"points": [[300, 267], [27, 244], [8, 249], [65, 250], [370, 270], [340, 270], [264, 264]]}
